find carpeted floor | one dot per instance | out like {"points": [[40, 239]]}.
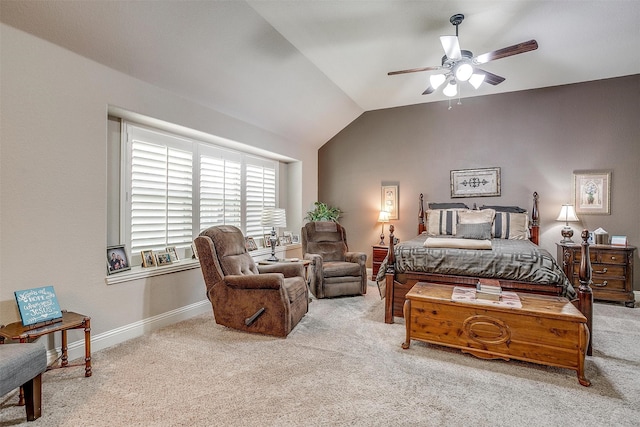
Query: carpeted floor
{"points": [[342, 365]]}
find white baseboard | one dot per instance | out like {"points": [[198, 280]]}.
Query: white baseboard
{"points": [[106, 339]]}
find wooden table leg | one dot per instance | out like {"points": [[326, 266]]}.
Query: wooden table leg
{"points": [[65, 360], [407, 323], [21, 392], [87, 347]]}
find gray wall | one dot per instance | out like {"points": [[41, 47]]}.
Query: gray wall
{"points": [[54, 171], [537, 138]]}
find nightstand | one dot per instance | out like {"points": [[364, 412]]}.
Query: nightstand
{"points": [[379, 254], [612, 270]]}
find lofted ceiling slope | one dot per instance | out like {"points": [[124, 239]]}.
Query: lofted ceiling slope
{"points": [[305, 69]]}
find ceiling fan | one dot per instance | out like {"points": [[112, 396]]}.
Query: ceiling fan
{"points": [[460, 65]]}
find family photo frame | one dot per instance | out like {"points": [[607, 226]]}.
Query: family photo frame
{"points": [[148, 258], [592, 192], [117, 260]]}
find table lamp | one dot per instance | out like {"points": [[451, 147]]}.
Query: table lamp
{"points": [[273, 217], [567, 213], [384, 217]]}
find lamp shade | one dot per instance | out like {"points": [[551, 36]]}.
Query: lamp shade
{"points": [[384, 216], [273, 217], [567, 214]]}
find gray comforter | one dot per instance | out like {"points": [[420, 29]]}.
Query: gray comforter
{"points": [[508, 259]]}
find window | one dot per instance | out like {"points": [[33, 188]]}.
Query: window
{"points": [[174, 187]]}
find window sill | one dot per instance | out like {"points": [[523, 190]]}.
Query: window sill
{"points": [[138, 272], [141, 273]]}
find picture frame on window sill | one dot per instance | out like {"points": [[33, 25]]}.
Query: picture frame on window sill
{"points": [[592, 192], [173, 253], [148, 259], [163, 258], [250, 243], [117, 260]]}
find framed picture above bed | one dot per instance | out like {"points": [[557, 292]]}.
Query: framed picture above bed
{"points": [[390, 200], [475, 182], [591, 192]]}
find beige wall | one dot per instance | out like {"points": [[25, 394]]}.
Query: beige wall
{"points": [[53, 180], [537, 138]]}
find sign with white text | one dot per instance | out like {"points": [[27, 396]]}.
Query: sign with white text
{"points": [[38, 305]]}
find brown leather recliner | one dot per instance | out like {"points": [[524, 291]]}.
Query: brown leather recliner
{"points": [[266, 299], [334, 271]]}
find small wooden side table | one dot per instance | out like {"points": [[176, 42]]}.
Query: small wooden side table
{"points": [[70, 320]]}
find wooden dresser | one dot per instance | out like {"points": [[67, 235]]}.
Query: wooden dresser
{"points": [[612, 274], [379, 253]]}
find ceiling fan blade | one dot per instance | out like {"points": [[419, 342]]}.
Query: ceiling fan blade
{"points": [[492, 79], [414, 70], [428, 90], [451, 47], [506, 51]]}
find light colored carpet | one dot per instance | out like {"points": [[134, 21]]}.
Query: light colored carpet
{"points": [[342, 365]]}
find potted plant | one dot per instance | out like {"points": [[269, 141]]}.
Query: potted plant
{"points": [[323, 212]]}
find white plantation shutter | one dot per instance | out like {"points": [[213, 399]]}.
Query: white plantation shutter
{"points": [[220, 190], [260, 184], [160, 191], [175, 187]]}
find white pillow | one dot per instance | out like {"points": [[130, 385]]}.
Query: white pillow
{"points": [[476, 217]]}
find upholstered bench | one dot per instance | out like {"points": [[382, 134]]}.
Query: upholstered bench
{"points": [[23, 365]]}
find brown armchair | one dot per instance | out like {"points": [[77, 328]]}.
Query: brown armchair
{"points": [[268, 299], [334, 271]]}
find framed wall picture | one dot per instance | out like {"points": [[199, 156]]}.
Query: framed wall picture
{"points": [[592, 192], [483, 182], [117, 260], [389, 201], [148, 258]]}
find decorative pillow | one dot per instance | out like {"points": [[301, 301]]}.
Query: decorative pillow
{"points": [[454, 242], [511, 209], [442, 222], [476, 217], [451, 205], [507, 225], [479, 231]]}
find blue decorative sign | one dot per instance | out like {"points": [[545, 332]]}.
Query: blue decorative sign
{"points": [[38, 305]]}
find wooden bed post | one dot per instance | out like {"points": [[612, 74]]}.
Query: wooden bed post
{"points": [[421, 225], [390, 273], [585, 295], [535, 220]]}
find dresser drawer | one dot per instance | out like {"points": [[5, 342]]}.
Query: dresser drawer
{"points": [[603, 269], [602, 282], [607, 257], [613, 257]]}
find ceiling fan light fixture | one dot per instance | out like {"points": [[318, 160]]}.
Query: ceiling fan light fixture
{"points": [[436, 80], [451, 89], [463, 72], [476, 80]]}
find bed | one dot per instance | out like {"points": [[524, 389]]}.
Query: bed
{"points": [[444, 252]]}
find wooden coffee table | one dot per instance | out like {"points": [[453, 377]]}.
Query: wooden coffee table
{"points": [[547, 330]]}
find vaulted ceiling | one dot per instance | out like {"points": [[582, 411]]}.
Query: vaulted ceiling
{"points": [[306, 69]]}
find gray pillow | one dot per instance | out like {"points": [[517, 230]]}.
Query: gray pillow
{"points": [[510, 209], [481, 231], [450, 205]]}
